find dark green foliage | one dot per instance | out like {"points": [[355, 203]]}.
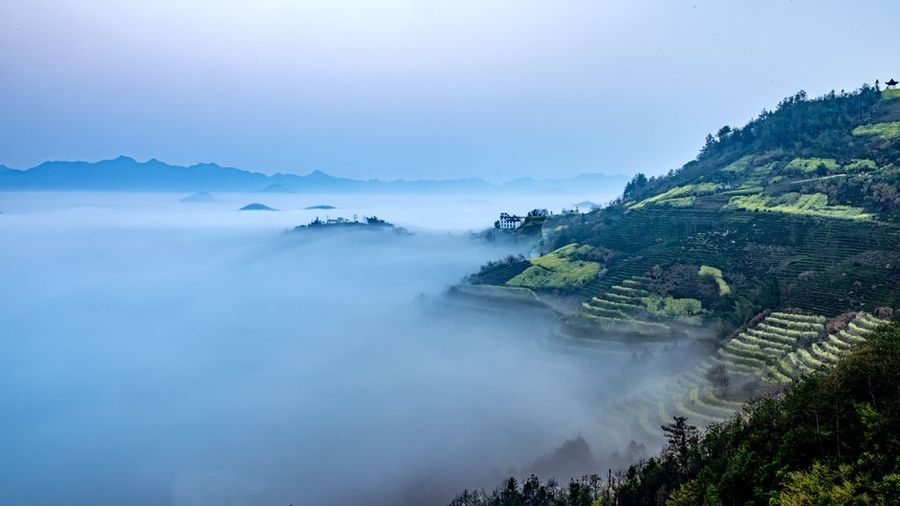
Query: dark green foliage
{"points": [[833, 438], [835, 435], [500, 271], [532, 225], [682, 281], [649, 482], [878, 193], [587, 491], [682, 438], [637, 183]]}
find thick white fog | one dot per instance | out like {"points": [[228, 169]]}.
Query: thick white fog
{"points": [[154, 352]]}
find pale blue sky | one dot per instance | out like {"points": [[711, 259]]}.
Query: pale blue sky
{"points": [[403, 88]]}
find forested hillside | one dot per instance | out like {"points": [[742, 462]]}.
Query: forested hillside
{"points": [[779, 246], [798, 208], [777, 251]]}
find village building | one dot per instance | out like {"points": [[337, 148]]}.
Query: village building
{"points": [[509, 221]]}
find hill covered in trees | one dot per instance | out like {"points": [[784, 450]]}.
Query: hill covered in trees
{"points": [[797, 212], [776, 251]]}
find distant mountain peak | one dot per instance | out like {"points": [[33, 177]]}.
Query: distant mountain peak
{"points": [[201, 197], [125, 173], [212, 165], [276, 188]]}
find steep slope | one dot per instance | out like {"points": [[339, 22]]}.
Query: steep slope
{"points": [[830, 439], [799, 208], [779, 246]]}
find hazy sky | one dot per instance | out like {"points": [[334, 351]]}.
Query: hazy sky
{"points": [[496, 89]]}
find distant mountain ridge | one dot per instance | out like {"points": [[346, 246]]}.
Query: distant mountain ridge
{"points": [[127, 174]]}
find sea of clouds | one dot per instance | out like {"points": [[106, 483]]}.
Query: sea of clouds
{"points": [[158, 352]]}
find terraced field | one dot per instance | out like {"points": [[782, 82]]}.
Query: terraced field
{"points": [[824, 352], [774, 352], [499, 274], [820, 266], [823, 266], [887, 130], [561, 269], [746, 227], [621, 301]]}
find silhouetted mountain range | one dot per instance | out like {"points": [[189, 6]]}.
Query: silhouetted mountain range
{"points": [[127, 174]]}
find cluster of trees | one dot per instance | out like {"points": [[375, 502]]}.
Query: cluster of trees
{"points": [[499, 271], [820, 126], [633, 187], [586, 491], [799, 126], [833, 438], [592, 490], [879, 195], [507, 260]]}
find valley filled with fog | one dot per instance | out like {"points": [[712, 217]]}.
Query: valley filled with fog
{"points": [[161, 352]]}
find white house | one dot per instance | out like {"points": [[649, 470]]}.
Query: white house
{"points": [[509, 221]]}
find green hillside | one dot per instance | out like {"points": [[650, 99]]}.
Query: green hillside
{"points": [[799, 209], [777, 250]]}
